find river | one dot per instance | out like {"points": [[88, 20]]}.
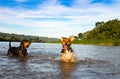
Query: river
{"points": [[43, 62]]}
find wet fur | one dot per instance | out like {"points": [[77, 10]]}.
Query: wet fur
{"points": [[67, 54], [19, 51]]}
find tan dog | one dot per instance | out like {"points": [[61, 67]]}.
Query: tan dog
{"points": [[67, 54]]}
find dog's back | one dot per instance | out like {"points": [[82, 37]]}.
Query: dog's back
{"points": [[13, 51]]}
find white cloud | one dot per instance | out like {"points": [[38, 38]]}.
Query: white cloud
{"points": [[75, 19]]}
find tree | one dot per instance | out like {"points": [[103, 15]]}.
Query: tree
{"points": [[80, 35], [103, 30]]}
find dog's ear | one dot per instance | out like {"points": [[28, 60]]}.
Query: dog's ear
{"points": [[71, 38], [62, 39], [27, 44]]}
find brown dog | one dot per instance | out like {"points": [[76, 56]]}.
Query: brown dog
{"points": [[20, 51], [67, 54]]}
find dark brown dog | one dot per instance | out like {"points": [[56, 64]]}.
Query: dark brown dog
{"points": [[20, 51], [67, 54]]}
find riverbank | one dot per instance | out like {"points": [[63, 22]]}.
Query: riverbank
{"points": [[107, 42]]}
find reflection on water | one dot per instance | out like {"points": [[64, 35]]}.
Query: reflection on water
{"points": [[23, 59], [43, 62], [66, 69]]}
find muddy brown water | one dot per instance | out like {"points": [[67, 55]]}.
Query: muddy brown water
{"points": [[43, 62]]}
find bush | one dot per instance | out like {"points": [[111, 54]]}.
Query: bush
{"points": [[116, 43]]}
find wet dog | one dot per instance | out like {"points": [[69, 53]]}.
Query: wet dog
{"points": [[20, 51], [67, 54]]}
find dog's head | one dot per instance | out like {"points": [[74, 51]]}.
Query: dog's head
{"points": [[66, 42], [25, 43]]}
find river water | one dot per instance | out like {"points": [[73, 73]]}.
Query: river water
{"points": [[43, 62]]}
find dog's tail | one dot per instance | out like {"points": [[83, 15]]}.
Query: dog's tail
{"points": [[10, 41]]}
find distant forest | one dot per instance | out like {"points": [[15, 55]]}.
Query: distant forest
{"points": [[17, 38], [103, 33]]}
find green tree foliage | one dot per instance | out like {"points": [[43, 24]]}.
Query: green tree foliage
{"points": [[80, 35], [109, 30], [103, 30]]}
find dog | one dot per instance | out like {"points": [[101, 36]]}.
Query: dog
{"points": [[67, 54], [20, 51]]}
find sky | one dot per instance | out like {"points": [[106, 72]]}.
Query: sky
{"points": [[55, 18]]}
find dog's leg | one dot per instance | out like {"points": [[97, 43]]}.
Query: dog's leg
{"points": [[72, 60], [9, 53], [63, 58]]}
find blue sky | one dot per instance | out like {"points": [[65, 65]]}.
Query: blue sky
{"points": [[55, 18]]}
